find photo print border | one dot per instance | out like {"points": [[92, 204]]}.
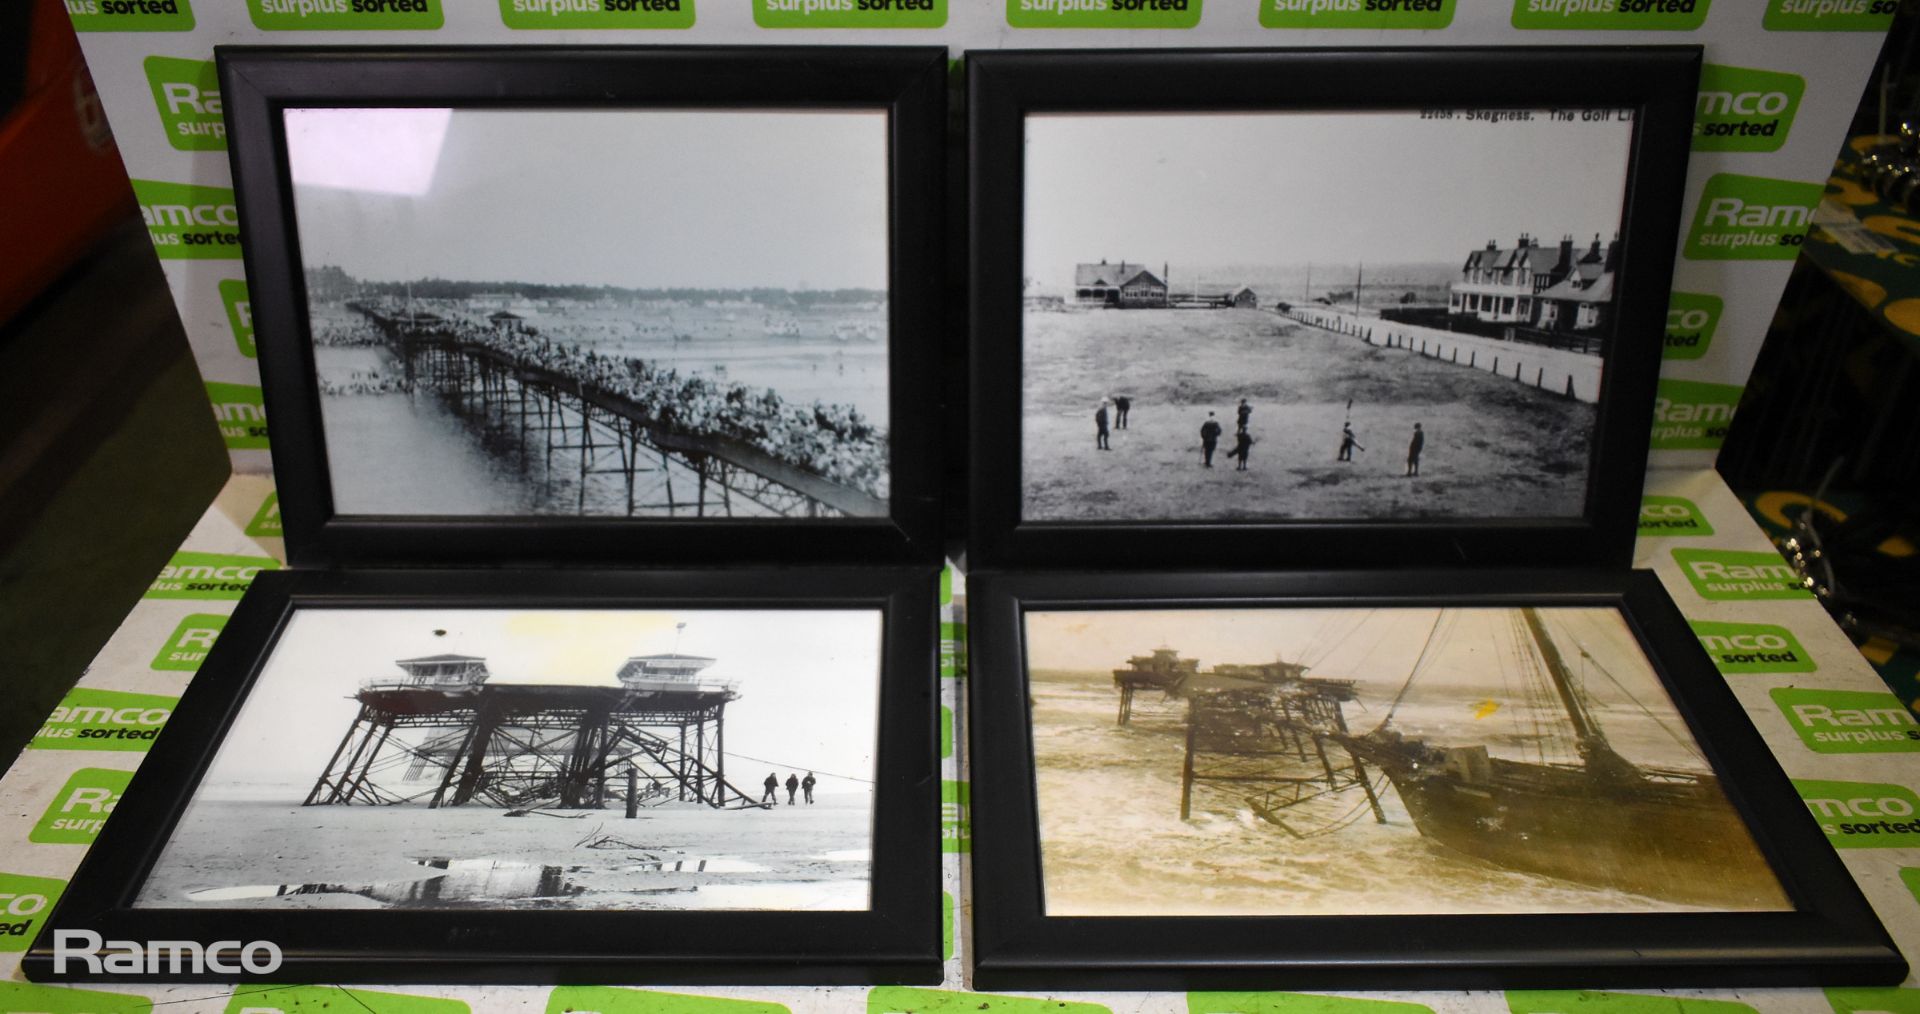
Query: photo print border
{"points": [[1830, 937], [1657, 83], [907, 83], [895, 941]]}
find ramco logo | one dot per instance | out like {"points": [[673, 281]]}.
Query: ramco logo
{"points": [[153, 957], [77, 814], [88, 719], [1858, 815], [1379, 14], [130, 15], [187, 221], [1688, 414], [956, 834], [233, 294], [241, 413], [1751, 218], [1744, 110], [189, 643], [1611, 15], [23, 901], [1741, 648], [1103, 13], [344, 15], [599, 14], [1848, 721], [207, 576], [1829, 15], [266, 520], [850, 13], [1691, 318], [1728, 575], [187, 94], [1671, 515]]}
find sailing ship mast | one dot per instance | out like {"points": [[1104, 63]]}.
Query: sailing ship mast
{"points": [[1599, 755]]}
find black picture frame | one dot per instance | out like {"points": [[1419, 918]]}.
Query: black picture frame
{"points": [[1657, 83], [896, 940], [909, 83], [1831, 937]]}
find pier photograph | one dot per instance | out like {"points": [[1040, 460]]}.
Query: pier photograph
{"points": [[1317, 316], [1387, 761], [543, 759], [625, 313]]}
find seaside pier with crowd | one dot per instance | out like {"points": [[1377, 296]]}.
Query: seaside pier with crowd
{"points": [[677, 443]]}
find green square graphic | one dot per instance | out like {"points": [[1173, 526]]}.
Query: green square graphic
{"points": [[610, 1000], [1751, 218], [337, 1000], [1863, 815], [88, 719], [189, 222], [187, 95], [138, 16], [26, 997], [1848, 721], [1691, 319], [1743, 109], [915, 1000], [1691, 415], [1743, 648], [1671, 515], [266, 520], [208, 576], [1295, 1003], [233, 294], [1731, 575], [598, 15], [81, 807], [956, 828], [24, 902], [189, 643]]}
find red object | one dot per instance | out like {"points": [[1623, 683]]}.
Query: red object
{"points": [[61, 181]]}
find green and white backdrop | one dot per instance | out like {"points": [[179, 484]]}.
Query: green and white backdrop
{"points": [[1781, 83]]}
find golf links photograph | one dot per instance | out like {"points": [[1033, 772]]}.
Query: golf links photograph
{"points": [[1303, 316], [543, 759]]}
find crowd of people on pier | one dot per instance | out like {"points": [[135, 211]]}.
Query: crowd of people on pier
{"points": [[832, 441]]}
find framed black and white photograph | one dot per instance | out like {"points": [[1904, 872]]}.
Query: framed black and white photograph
{"points": [[1408, 780], [606, 292], [1267, 294], [675, 777]]}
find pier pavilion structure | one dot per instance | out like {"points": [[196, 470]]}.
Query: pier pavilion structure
{"points": [[442, 734]]}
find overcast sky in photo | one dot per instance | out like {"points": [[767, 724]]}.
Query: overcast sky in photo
{"points": [[1472, 648], [809, 680], [634, 198], [1203, 190]]}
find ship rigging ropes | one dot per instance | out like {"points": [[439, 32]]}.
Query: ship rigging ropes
{"points": [[1679, 737]]}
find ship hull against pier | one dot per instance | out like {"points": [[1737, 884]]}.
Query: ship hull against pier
{"points": [[1662, 839]]}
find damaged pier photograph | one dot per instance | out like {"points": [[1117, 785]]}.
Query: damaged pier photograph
{"points": [[1384, 761], [543, 759], [668, 323], [1301, 316]]}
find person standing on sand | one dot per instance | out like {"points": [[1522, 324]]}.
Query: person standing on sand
{"points": [[1242, 443], [1413, 450], [772, 795], [1209, 439], [1347, 443], [1121, 403], [1100, 428], [793, 787], [806, 787]]}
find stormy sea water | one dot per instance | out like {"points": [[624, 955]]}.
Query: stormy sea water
{"points": [[1113, 843], [413, 454]]}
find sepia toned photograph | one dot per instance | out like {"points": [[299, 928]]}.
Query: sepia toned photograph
{"points": [[687, 320], [675, 760], [1384, 761], [1317, 316]]}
